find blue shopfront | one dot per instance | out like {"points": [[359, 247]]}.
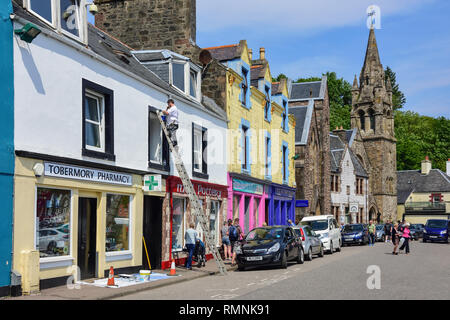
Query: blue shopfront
{"points": [[6, 145], [281, 204]]}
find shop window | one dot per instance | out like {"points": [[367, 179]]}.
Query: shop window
{"points": [[98, 121], [179, 207], [199, 152], [214, 215], [158, 148], [53, 210], [117, 223]]}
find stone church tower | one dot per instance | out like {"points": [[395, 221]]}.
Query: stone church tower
{"points": [[373, 116]]}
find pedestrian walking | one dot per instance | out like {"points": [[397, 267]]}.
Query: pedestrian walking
{"points": [[190, 237], [388, 230], [372, 232], [235, 234], [172, 120], [406, 235], [395, 238], [226, 240], [290, 223]]}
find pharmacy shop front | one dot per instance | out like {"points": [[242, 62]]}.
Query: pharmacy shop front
{"points": [[74, 220]]}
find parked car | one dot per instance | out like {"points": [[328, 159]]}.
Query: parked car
{"points": [[380, 234], [355, 234], [310, 241], [273, 245], [328, 230], [436, 230], [414, 233], [417, 228]]}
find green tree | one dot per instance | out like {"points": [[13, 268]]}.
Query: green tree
{"points": [[398, 98]]}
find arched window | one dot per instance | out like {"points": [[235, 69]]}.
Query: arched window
{"points": [[372, 119], [362, 120]]}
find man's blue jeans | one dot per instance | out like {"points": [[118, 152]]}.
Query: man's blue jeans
{"points": [[371, 239], [190, 248]]}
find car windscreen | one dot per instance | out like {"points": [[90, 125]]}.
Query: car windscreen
{"points": [[264, 234], [353, 228], [436, 224], [316, 225]]}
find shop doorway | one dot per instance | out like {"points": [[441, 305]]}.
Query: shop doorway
{"points": [[266, 212], [247, 215], [87, 237], [152, 232]]}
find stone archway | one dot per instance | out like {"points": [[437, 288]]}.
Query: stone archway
{"points": [[372, 214]]}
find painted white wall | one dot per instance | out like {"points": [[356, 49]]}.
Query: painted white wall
{"points": [[48, 109], [348, 178]]}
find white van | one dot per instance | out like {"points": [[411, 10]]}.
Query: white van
{"points": [[328, 229]]}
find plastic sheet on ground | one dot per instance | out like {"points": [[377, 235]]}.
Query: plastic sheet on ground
{"points": [[127, 280]]}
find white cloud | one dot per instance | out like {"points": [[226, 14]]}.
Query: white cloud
{"points": [[292, 14]]}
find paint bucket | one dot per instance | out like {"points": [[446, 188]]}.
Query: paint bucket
{"points": [[145, 275]]}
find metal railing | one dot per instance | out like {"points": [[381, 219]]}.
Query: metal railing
{"points": [[425, 205]]}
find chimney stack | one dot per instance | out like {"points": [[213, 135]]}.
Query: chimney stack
{"points": [[250, 53], [426, 166], [262, 53]]}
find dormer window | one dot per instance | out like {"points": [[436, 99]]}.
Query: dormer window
{"points": [[66, 16], [185, 77]]}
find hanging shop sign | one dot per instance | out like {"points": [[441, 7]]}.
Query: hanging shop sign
{"points": [[152, 182], [283, 192], [248, 187], [301, 203], [87, 174]]}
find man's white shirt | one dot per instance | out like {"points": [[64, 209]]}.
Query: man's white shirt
{"points": [[172, 117]]}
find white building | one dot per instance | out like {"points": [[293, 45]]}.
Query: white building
{"points": [[86, 136], [349, 184]]}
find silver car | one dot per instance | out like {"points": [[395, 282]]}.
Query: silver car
{"points": [[310, 241]]}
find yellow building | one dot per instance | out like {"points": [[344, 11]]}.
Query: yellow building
{"points": [[104, 206], [261, 140], [423, 194]]}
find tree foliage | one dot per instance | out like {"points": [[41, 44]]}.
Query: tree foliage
{"points": [[417, 136]]}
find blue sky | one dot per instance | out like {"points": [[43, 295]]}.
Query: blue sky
{"points": [[306, 38]]}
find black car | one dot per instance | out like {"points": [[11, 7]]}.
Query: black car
{"points": [[354, 234], [265, 246], [417, 231]]}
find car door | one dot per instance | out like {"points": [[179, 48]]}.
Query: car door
{"points": [[290, 243]]}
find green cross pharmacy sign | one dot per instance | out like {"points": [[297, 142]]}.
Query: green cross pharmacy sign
{"points": [[152, 182]]}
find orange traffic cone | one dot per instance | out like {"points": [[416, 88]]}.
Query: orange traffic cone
{"points": [[172, 269], [111, 277]]}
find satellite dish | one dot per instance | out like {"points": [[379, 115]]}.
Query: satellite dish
{"points": [[205, 57]]}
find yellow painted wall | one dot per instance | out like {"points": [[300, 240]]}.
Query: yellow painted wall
{"points": [[24, 217], [255, 115]]}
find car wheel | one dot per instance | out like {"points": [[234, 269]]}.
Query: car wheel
{"points": [[301, 257], [241, 267], [321, 252], [309, 256], [331, 247], [284, 260]]}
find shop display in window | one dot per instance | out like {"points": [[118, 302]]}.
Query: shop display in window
{"points": [[177, 224], [117, 222], [53, 222]]}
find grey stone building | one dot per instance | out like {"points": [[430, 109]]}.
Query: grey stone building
{"points": [[374, 142], [309, 103]]}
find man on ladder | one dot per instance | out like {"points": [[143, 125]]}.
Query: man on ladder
{"points": [[196, 208], [172, 120]]}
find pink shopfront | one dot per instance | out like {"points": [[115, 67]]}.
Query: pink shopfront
{"points": [[247, 200]]}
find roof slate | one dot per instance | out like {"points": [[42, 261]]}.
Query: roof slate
{"points": [[225, 53], [306, 90], [414, 181]]}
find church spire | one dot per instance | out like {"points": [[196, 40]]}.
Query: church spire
{"points": [[372, 71]]}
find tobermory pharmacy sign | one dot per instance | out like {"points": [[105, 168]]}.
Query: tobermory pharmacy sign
{"points": [[86, 174]]}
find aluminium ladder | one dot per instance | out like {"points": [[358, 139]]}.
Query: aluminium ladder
{"points": [[196, 207]]}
